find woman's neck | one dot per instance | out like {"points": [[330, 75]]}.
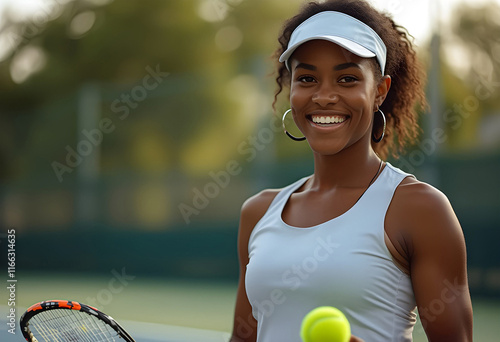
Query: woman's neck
{"points": [[352, 167]]}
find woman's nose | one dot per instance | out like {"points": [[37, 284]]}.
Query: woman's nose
{"points": [[325, 95]]}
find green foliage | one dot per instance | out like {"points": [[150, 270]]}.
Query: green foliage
{"points": [[218, 89], [200, 56]]}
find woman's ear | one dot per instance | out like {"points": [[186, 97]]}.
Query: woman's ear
{"points": [[382, 90]]}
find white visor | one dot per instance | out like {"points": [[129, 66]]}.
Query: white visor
{"points": [[341, 29]]}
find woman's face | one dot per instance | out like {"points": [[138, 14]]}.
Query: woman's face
{"points": [[333, 96]]}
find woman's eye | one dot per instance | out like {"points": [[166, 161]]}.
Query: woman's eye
{"points": [[348, 79], [306, 79]]}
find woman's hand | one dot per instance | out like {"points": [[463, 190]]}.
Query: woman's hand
{"points": [[355, 339]]}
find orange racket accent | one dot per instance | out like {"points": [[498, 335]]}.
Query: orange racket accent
{"points": [[69, 304], [35, 307], [61, 303]]}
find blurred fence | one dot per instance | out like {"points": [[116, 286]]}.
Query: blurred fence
{"points": [[118, 235], [174, 224]]}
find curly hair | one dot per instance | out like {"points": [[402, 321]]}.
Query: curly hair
{"points": [[407, 89]]}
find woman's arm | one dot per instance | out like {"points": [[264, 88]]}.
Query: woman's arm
{"points": [[245, 326], [436, 252]]}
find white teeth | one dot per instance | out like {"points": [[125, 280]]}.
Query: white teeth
{"points": [[328, 119]]}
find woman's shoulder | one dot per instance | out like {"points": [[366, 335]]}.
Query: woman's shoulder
{"points": [[252, 211], [413, 194], [421, 221], [256, 206], [422, 209]]}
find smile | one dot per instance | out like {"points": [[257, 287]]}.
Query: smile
{"points": [[327, 119]]}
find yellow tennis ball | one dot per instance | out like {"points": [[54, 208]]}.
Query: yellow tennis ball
{"points": [[325, 324]]}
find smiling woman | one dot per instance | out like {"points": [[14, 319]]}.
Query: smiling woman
{"points": [[322, 74], [393, 243], [399, 63]]}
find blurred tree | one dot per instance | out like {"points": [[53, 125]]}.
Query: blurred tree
{"points": [[473, 51], [202, 45]]}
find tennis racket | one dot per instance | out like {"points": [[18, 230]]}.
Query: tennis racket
{"points": [[65, 321]]}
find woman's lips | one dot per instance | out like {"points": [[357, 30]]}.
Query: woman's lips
{"points": [[327, 120]]}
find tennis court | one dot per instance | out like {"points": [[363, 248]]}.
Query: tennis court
{"points": [[181, 311]]}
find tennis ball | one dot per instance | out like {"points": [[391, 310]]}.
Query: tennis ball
{"points": [[325, 324]]}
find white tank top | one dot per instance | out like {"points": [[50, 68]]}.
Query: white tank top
{"points": [[343, 262]]}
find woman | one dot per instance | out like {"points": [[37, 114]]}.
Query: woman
{"points": [[359, 234]]}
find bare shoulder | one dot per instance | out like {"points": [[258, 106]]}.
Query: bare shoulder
{"points": [[256, 206], [425, 214], [251, 212], [417, 198]]}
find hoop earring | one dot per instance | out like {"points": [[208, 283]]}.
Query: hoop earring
{"points": [[286, 132], [377, 140]]}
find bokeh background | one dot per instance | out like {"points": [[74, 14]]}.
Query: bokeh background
{"points": [[131, 132]]}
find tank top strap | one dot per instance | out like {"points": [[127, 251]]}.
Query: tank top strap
{"points": [[281, 198], [378, 196]]}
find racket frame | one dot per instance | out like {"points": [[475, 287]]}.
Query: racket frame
{"points": [[68, 305]]}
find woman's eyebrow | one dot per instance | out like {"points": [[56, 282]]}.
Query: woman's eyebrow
{"points": [[305, 66]]}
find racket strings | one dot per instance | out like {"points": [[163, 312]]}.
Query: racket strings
{"points": [[69, 326]]}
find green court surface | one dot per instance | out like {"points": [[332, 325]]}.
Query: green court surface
{"points": [[151, 309]]}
